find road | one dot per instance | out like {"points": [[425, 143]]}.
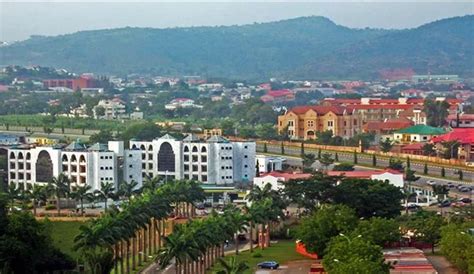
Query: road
{"points": [[451, 173]]}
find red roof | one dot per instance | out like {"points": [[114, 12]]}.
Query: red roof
{"points": [[376, 106], [287, 176], [365, 174], [414, 146], [463, 117], [280, 92], [320, 110], [393, 124], [462, 135]]}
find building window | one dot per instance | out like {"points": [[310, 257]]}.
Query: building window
{"points": [[195, 168], [310, 123], [186, 158], [204, 178], [204, 168], [130, 166], [330, 123], [203, 158]]}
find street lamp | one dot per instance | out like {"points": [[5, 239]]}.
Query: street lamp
{"points": [[347, 238]]}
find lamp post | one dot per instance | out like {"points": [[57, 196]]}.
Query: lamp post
{"points": [[347, 238]]}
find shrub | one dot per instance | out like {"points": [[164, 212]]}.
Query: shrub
{"points": [[257, 255], [50, 207]]}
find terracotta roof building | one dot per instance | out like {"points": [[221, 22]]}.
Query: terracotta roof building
{"points": [[303, 122]]}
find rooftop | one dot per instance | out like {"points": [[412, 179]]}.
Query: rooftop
{"points": [[320, 110], [462, 135], [422, 129], [366, 174], [287, 176]]}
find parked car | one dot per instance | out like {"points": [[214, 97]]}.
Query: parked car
{"points": [[413, 207], [465, 200], [445, 203], [465, 189], [268, 265], [431, 182], [450, 185]]}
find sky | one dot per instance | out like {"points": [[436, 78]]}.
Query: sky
{"points": [[19, 19]]}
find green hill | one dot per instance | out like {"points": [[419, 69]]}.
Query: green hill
{"points": [[305, 47]]}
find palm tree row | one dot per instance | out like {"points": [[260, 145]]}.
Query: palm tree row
{"points": [[134, 233], [198, 244]]}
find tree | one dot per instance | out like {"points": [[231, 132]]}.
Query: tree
{"points": [[38, 194], [282, 148], [128, 190], [441, 191], [374, 160], [355, 158], [265, 149], [60, 186], [326, 160], [151, 183], [336, 157], [429, 149], [410, 177], [386, 145], [443, 172], [427, 227], [458, 246], [379, 231], [232, 266], [103, 137], [317, 229], [368, 198], [343, 167], [436, 112], [425, 169], [302, 149], [356, 255], [106, 191], [311, 192], [82, 193], [461, 175], [257, 169], [395, 164], [450, 149], [308, 160], [99, 111], [408, 163], [319, 153]]}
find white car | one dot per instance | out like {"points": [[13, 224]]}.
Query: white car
{"points": [[431, 182]]}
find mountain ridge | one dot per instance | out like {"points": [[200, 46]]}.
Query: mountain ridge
{"points": [[305, 47]]}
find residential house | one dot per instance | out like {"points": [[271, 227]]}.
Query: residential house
{"points": [[277, 179], [417, 133]]}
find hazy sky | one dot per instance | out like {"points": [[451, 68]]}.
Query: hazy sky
{"points": [[19, 20]]}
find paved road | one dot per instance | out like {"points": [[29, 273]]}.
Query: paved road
{"points": [[381, 162]]}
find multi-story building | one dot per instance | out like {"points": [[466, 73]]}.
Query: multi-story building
{"points": [[113, 109], [82, 165], [214, 161], [303, 122]]}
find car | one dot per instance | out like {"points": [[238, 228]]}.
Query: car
{"points": [[445, 203], [200, 206], [465, 200], [431, 182], [465, 189], [450, 185], [268, 265]]}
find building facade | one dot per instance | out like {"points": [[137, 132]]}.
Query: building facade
{"points": [[214, 161], [303, 122], [83, 165]]}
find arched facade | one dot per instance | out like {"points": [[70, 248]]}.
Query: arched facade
{"points": [[44, 167], [166, 158]]}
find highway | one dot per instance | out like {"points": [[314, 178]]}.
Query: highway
{"points": [[366, 160]]}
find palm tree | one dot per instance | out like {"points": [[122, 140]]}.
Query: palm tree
{"points": [[13, 194], [38, 194], [232, 266], [151, 183], [128, 190], [82, 193], [440, 191], [239, 223], [106, 191], [60, 187]]}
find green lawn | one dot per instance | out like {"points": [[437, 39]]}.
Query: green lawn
{"points": [[63, 234], [282, 252]]}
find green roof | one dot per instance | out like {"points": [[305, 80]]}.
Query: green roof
{"points": [[422, 130]]}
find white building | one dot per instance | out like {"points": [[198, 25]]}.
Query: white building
{"points": [[268, 163], [277, 179], [82, 165], [394, 177], [214, 161], [114, 109], [181, 103]]}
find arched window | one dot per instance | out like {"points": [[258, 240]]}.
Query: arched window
{"points": [[134, 146], [203, 149], [28, 156], [150, 147], [82, 159], [64, 158], [12, 155], [142, 147], [195, 149], [44, 167], [166, 160], [20, 155], [186, 149], [73, 158]]}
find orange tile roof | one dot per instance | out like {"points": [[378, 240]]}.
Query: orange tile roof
{"points": [[320, 110]]}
